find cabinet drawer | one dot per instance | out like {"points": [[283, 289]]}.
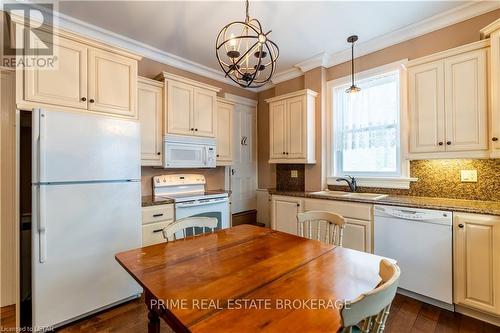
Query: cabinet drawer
{"points": [[152, 233], [353, 210], [157, 213]]}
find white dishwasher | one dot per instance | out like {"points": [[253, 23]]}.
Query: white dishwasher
{"points": [[421, 242]]}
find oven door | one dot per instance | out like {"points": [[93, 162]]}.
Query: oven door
{"points": [[216, 207]]}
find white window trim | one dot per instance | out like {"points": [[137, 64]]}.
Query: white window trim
{"points": [[402, 182]]}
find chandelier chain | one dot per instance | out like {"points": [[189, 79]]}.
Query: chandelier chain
{"points": [[247, 11]]}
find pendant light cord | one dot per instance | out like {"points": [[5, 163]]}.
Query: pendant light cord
{"points": [[248, 16], [352, 63]]}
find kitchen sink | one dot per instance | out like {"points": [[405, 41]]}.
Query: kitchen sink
{"points": [[370, 196]]}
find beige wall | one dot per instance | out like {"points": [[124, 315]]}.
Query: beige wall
{"points": [[455, 35]]}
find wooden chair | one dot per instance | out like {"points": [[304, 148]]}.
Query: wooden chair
{"points": [[372, 308], [323, 226], [207, 224]]}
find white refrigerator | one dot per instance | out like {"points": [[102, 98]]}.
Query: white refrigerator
{"points": [[86, 207]]}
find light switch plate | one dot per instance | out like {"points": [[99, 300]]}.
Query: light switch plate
{"points": [[468, 176], [294, 174]]}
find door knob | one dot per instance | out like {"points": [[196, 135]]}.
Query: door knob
{"points": [[494, 138]]}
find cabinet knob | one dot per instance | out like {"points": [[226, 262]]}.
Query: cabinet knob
{"points": [[460, 225], [196, 130], [287, 153], [440, 143], [158, 153], [91, 100], [298, 205], [217, 155], [494, 139], [191, 129], [448, 143], [284, 153], [83, 99]]}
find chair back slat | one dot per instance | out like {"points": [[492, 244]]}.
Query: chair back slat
{"points": [[321, 226], [373, 307], [206, 224]]}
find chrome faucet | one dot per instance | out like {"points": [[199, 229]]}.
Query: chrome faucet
{"points": [[351, 181]]}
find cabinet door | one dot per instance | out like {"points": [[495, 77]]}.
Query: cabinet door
{"points": [[466, 102], [284, 214], [277, 122], [477, 261], [204, 112], [179, 108], [150, 109], [296, 127], [495, 92], [66, 83], [357, 235], [112, 83], [426, 108], [224, 133]]}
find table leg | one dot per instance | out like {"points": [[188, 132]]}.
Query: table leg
{"points": [[154, 322]]}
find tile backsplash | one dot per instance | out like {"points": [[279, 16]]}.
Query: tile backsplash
{"points": [[441, 178], [284, 181]]}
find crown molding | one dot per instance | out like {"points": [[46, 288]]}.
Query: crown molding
{"points": [[240, 100], [490, 28], [318, 60], [420, 28], [286, 75]]}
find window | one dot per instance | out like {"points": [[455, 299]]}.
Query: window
{"points": [[366, 128]]}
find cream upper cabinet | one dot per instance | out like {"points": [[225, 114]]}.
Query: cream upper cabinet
{"points": [[66, 83], [112, 84], [204, 112], [291, 127], [224, 125], [179, 108], [277, 129], [191, 106], [447, 103], [477, 261], [426, 107], [150, 110], [493, 32], [87, 75], [284, 212], [466, 101]]}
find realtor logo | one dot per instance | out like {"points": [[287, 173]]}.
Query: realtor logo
{"points": [[28, 39]]}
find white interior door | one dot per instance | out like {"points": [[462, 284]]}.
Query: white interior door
{"points": [[244, 168]]}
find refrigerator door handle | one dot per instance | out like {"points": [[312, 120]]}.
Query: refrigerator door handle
{"points": [[42, 224], [41, 150]]}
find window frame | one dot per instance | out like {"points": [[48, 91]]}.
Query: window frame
{"points": [[401, 181]]}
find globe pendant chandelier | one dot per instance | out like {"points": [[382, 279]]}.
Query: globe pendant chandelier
{"points": [[245, 53]]}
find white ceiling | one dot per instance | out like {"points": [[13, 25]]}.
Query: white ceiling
{"points": [[301, 29]]}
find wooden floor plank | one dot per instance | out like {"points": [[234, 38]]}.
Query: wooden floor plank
{"points": [[406, 316]]}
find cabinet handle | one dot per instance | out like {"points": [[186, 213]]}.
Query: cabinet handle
{"points": [[448, 143], [460, 225], [440, 143], [157, 215], [158, 153], [91, 100], [494, 139], [83, 99], [157, 230]]}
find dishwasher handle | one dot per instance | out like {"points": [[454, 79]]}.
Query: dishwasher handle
{"points": [[438, 217]]}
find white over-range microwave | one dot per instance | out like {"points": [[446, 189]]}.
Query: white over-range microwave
{"points": [[182, 151]]}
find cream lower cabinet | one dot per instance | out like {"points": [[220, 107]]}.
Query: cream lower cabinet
{"points": [[150, 111], [448, 103], [493, 32], [359, 221], [191, 106], [284, 212], [292, 127], [86, 75], [224, 137], [477, 262], [154, 220]]}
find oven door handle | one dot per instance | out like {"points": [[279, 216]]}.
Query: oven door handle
{"points": [[198, 203]]}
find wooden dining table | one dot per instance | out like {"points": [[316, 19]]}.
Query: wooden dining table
{"points": [[249, 279]]}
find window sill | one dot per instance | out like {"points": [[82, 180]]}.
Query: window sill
{"points": [[382, 182]]}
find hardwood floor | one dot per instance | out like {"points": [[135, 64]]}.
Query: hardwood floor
{"points": [[407, 316]]}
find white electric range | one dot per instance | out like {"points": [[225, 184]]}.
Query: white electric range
{"points": [[191, 198]]}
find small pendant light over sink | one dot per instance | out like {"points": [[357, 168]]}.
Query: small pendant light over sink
{"points": [[245, 53], [353, 88]]}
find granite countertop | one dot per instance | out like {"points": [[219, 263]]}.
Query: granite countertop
{"points": [[149, 200], [457, 205]]}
